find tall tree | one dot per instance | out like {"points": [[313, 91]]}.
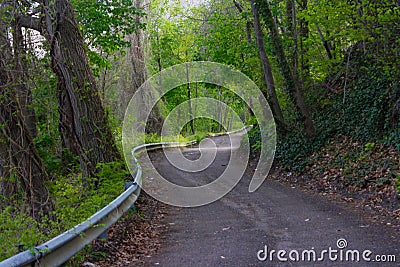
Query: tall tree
{"points": [[20, 64], [291, 22], [268, 77], [304, 35], [20, 165], [83, 124], [293, 85], [140, 72]]}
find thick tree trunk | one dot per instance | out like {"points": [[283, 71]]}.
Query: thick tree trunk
{"points": [[20, 165], [293, 85], [24, 91], [268, 77], [83, 124]]}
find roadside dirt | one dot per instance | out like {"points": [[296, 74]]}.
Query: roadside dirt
{"points": [[132, 239]]}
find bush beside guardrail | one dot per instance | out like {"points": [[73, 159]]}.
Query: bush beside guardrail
{"points": [[62, 247]]}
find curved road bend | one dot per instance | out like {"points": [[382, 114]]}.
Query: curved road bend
{"points": [[233, 230]]}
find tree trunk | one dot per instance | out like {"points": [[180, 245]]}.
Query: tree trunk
{"points": [[24, 91], [248, 22], [292, 30], [83, 124], [219, 110], [140, 74], [189, 95], [268, 77], [293, 85], [304, 35], [324, 42], [20, 164]]}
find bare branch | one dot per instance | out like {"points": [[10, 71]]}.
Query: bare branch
{"points": [[238, 6]]}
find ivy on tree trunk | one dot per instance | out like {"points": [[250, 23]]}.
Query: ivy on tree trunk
{"points": [[83, 123], [20, 165]]}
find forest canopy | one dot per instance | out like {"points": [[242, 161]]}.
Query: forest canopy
{"points": [[68, 68]]}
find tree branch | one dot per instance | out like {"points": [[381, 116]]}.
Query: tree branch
{"points": [[248, 23], [30, 22], [238, 6]]}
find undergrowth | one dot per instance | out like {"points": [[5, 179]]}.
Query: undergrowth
{"points": [[73, 201], [361, 114]]}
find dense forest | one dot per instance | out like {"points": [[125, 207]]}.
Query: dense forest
{"points": [[68, 68]]}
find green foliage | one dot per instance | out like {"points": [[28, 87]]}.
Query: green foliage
{"points": [[54, 163], [292, 152], [152, 138], [45, 145], [18, 231], [347, 160], [254, 136], [363, 110], [392, 138], [105, 25], [369, 99], [353, 94], [226, 42], [198, 136], [74, 203], [172, 36], [369, 146], [398, 183], [364, 115]]}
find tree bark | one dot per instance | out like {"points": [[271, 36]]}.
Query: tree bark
{"points": [[20, 165], [83, 124], [268, 77], [324, 42], [140, 74], [24, 91], [293, 85]]}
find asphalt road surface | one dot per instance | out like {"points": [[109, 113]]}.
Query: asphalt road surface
{"points": [[248, 229]]}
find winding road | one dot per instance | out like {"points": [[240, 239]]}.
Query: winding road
{"points": [[274, 226]]}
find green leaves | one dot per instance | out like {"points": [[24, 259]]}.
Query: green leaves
{"points": [[105, 25]]}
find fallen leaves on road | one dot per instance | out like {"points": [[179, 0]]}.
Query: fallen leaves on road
{"points": [[367, 176], [133, 238]]}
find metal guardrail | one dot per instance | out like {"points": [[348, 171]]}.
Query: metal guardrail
{"points": [[61, 248], [245, 128]]}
